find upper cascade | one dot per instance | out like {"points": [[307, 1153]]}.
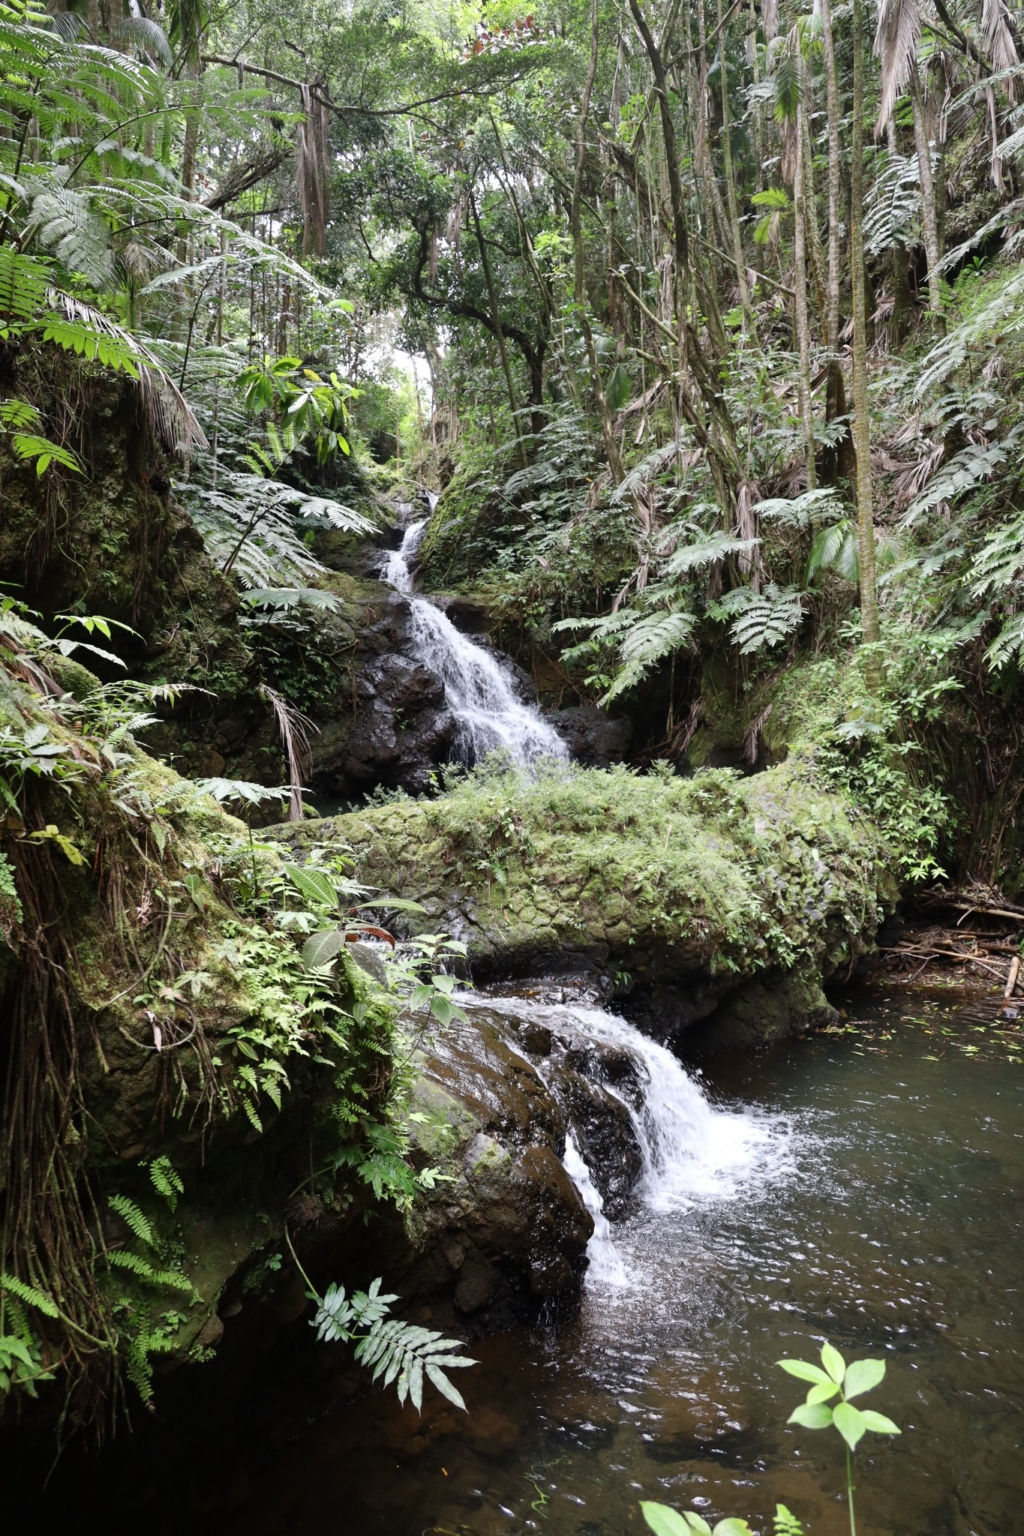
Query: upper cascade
{"points": [[488, 714]]}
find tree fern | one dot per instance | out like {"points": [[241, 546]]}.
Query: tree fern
{"points": [[706, 551], [760, 620], [647, 642], [893, 208], [961, 473]]}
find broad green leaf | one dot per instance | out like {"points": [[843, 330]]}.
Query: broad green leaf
{"points": [[811, 1416], [618, 388], [861, 1376], [664, 1521], [803, 1370], [822, 1392], [850, 1423], [321, 948], [314, 884], [833, 1362], [879, 1423], [732, 1527]]}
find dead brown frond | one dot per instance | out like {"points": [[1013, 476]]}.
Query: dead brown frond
{"points": [[294, 727]]}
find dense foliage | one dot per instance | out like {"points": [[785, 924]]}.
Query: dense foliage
{"points": [[721, 311]]}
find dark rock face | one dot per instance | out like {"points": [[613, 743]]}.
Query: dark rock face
{"points": [[506, 1233], [392, 728], [594, 738]]}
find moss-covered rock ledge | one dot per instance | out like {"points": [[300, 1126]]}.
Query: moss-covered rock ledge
{"points": [[714, 895]]}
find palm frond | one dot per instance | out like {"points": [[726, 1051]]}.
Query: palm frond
{"points": [[896, 39]]}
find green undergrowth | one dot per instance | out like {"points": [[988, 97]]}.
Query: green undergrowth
{"points": [[164, 1031]]}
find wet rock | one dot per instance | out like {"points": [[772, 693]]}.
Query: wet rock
{"points": [[594, 737], [607, 1141], [506, 1231], [762, 1011], [491, 1433]]}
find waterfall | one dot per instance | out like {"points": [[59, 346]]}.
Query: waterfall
{"points": [[694, 1152], [606, 1266], [480, 696]]}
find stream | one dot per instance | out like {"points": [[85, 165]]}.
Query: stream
{"points": [[865, 1184]]}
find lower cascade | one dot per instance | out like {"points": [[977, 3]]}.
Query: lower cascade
{"points": [[480, 696], [694, 1152]]}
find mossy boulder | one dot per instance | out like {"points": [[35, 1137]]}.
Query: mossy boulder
{"points": [[680, 891]]}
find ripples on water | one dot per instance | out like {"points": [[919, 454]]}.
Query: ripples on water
{"points": [[889, 1217]]}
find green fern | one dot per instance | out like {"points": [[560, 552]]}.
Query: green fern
{"points": [[134, 1218], [23, 284], [760, 620], [135, 1264], [29, 1295], [166, 1180], [137, 1364], [786, 1523], [649, 641], [401, 1353]]}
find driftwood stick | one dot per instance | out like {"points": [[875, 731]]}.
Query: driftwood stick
{"points": [[1011, 980]]}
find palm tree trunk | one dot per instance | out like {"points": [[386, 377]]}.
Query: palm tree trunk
{"points": [[800, 285], [836, 389], [499, 334], [928, 215], [861, 422]]}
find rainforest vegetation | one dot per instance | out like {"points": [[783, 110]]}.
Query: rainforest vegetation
{"points": [[692, 333]]}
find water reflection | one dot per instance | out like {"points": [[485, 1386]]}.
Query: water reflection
{"points": [[896, 1228]]}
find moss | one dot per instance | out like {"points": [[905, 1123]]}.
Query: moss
{"points": [[165, 1025], [656, 874]]}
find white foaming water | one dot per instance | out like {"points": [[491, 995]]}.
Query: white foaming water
{"points": [[694, 1152], [606, 1266], [488, 715]]}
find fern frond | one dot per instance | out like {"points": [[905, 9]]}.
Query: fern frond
{"points": [[166, 1180], [64, 221], [960, 474], [148, 36], [23, 284], [133, 1218], [29, 1295], [785, 1523], [707, 551], [649, 641], [760, 620]]}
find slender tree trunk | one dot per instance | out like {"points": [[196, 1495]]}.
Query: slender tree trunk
{"points": [[861, 421], [724, 458], [730, 184], [499, 334], [836, 389], [929, 220], [800, 303], [611, 447]]}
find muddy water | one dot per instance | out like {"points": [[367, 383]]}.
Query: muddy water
{"points": [[892, 1223]]}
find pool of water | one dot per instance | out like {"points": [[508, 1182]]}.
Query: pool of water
{"points": [[889, 1219]]}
